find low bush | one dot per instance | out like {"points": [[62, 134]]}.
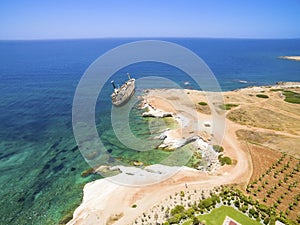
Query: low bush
{"points": [[276, 89], [262, 96], [177, 209], [292, 97], [202, 103], [224, 160], [227, 106], [218, 148]]}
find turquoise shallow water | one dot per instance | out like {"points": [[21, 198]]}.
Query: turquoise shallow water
{"points": [[40, 163]]}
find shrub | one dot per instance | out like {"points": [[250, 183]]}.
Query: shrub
{"points": [[292, 100], [237, 203], [224, 160], [227, 106], [202, 103], [253, 213], [292, 97], [209, 202], [175, 219], [274, 90], [218, 148], [181, 193], [134, 206], [206, 203], [190, 212], [244, 208], [177, 209], [266, 220], [195, 220], [263, 208], [262, 96]]}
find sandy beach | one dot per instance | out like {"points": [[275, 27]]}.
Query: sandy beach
{"points": [[107, 202]]}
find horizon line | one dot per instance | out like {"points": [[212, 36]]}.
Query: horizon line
{"points": [[151, 37]]}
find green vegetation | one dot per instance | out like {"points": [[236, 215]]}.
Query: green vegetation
{"points": [[195, 160], [276, 89], [291, 97], [177, 209], [227, 106], [224, 160], [248, 210], [134, 206], [202, 103], [182, 194], [66, 218], [262, 96], [178, 214], [209, 202], [87, 172], [217, 216], [218, 148]]}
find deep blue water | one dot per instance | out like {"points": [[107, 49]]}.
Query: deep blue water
{"points": [[40, 165]]}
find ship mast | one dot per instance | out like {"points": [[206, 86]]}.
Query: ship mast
{"points": [[113, 84]]}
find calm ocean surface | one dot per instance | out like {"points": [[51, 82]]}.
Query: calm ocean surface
{"points": [[40, 165]]}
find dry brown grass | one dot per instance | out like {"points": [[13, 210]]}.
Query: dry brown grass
{"points": [[262, 159], [271, 140], [285, 106], [265, 118], [272, 113], [242, 98]]}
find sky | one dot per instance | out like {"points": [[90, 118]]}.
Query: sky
{"points": [[72, 19]]}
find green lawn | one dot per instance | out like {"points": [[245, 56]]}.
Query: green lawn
{"points": [[217, 216]]}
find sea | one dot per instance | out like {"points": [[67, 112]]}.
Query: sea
{"points": [[41, 166]]}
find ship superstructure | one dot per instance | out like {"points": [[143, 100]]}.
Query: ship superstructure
{"points": [[122, 94]]}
